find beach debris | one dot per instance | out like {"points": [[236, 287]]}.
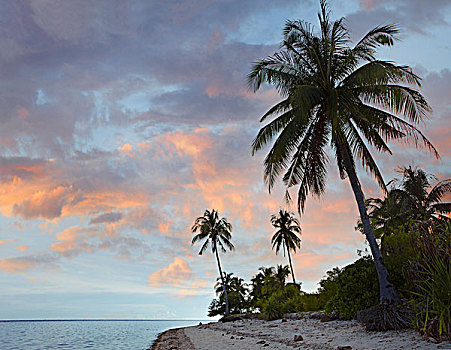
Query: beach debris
{"points": [[327, 318], [284, 320], [261, 342], [317, 315], [346, 347], [298, 337]]}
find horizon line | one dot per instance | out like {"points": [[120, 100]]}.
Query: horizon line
{"points": [[102, 319]]}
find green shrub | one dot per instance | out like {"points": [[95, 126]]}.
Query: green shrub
{"points": [[357, 289], [286, 300], [274, 308], [432, 279], [433, 305], [327, 287], [310, 301]]}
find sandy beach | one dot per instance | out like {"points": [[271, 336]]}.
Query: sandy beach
{"points": [[310, 334]]}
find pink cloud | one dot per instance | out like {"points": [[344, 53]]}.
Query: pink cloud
{"points": [[176, 274], [368, 4]]}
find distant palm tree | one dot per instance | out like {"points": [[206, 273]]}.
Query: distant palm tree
{"points": [[262, 282], [341, 96], [237, 292], [281, 274], [286, 235], [233, 284], [216, 232]]}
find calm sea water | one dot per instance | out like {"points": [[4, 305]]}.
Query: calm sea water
{"points": [[87, 334]]}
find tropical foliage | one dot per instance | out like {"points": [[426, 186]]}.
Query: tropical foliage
{"points": [[338, 95], [215, 232], [237, 292], [351, 289], [411, 197], [286, 235]]}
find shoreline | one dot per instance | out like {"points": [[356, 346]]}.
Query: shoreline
{"points": [[302, 333], [174, 338]]}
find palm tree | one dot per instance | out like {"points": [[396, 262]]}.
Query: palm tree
{"points": [[424, 204], [216, 232], [281, 274], [339, 95], [237, 292], [262, 282], [414, 197], [286, 235]]}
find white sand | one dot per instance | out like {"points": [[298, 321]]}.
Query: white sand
{"points": [[256, 334]]}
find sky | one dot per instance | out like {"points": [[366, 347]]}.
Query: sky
{"points": [[122, 121]]}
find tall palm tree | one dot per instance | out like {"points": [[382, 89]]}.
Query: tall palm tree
{"points": [[339, 95], [286, 235], [216, 232]]}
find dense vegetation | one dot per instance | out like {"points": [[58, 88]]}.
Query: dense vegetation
{"points": [[416, 250]]}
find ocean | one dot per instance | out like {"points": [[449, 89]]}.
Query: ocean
{"points": [[84, 334]]}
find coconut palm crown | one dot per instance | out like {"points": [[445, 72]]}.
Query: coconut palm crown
{"points": [[337, 95], [286, 235], [412, 196], [216, 232]]}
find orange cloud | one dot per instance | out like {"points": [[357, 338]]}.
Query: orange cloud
{"points": [[22, 248], [14, 265], [176, 274], [126, 149], [68, 239]]}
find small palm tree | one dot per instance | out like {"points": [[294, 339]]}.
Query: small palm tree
{"points": [[342, 96], [216, 232], [286, 235], [414, 197], [423, 200], [281, 274]]}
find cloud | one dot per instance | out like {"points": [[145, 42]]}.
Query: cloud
{"points": [[176, 274], [106, 218], [416, 15], [126, 149], [46, 204], [22, 264]]}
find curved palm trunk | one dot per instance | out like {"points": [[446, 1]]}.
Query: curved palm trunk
{"points": [[291, 265], [387, 291], [223, 282]]}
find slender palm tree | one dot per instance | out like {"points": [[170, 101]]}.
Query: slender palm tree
{"points": [[286, 235], [216, 232], [337, 94]]}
